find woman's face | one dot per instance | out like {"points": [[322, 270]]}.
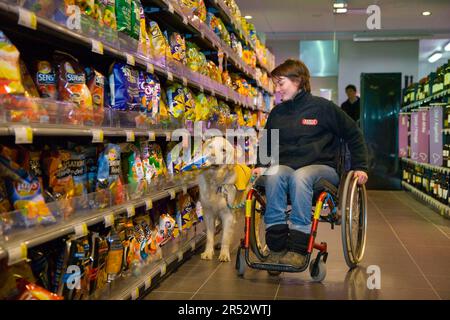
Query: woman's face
{"points": [[286, 88]]}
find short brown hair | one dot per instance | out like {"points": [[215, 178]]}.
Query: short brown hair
{"points": [[295, 70]]}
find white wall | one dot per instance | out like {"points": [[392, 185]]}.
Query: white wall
{"points": [[375, 57], [284, 49]]}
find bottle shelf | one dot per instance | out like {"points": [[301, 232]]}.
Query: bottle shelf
{"points": [[427, 165], [441, 94], [443, 209]]}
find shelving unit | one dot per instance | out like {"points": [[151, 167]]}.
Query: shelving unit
{"points": [[441, 94], [444, 210], [427, 166]]}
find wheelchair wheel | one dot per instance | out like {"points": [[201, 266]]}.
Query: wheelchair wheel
{"points": [[258, 229], [319, 272], [354, 220], [240, 262]]}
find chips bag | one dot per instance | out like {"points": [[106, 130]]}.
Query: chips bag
{"points": [[109, 173], [133, 167], [165, 230], [193, 58], [78, 168], [10, 80], [213, 71], [144, 39], [152, 161], [108, 8], [150, 94], [91, 167], [123, 15], [135, 19], [96, 84], [178, 47], [31, 291], [202, 110], [124, 87], [190, 104], [159, 44], [45, 79], [176, 100], [71, 84]]}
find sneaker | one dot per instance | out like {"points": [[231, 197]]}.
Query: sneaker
{"points": [[294, 259], [274, 256]]}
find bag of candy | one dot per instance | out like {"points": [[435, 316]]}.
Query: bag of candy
{"points": [[78, 168], [124, 87], [109, 173], [144, 39], [213, 71], [202, 110], [31, 291], [178, 47], [114, 259], [190, 104], [10, 80], [96, 84], [71, 84], [123, 15], [99, 253], [165, 230]]}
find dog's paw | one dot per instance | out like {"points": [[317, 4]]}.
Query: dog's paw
{"points": [[207, 255], [224, 257]]}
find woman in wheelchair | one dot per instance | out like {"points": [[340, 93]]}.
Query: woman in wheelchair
{"points": [[310, 131]]}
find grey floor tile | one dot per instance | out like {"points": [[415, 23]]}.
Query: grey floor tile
{"points": [[168, 295]]}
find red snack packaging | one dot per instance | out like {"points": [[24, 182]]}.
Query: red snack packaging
{"points": [[31, 291], [96, 85]]}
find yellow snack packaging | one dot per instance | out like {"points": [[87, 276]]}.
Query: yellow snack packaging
{"points": [[10, 80], [158, 41]]}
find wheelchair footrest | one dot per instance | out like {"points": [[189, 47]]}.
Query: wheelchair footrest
{"points": [[279, 267]]}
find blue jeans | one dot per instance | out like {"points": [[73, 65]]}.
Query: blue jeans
{"points": [[282, 180]]}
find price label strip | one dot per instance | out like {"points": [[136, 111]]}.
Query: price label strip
{"points": [[130, 59], [172, 194], [213, 93], [24, 135], [97, 46], [134, 293], [97, 136], [151, 136], [202, 89], [148, 283], [81, 230], [150, 68], [131, 211], [180, 256], [185, 20], [148, 204], [185, 81], [17, 254], [168, 136], [130, 136], [169, 76], [27, 19], [109, 220]]}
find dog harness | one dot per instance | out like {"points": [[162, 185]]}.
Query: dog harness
{"points": [[243, 177]]}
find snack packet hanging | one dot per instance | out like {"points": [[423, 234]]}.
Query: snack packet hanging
{"points": [[71, 84], [10, 80], [202, 109], [178, 47], [176, 100], [165, 230], [193, 58], [45, 78], [144, 39], [150, 94], [109, 173], [152, 161], [115, 256], [213, 106], [133, 167], [174, 158], [31, 162], [99, 253], [224, 114], [24, 192], [108, 8], [213, 71], [124, 87], [91, 156], [96, 84], [190, 104], [159, 44], [59, 182], [163, 109], [78, 169], [135, 19], [123, 15], [27, 81]]}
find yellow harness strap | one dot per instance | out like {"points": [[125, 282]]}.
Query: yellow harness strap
{"points": [[243, 176]]}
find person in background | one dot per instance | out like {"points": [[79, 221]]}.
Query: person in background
{"points": [[351, 105]]}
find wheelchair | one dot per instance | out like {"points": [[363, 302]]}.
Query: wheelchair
{"points": [[346, 206]]}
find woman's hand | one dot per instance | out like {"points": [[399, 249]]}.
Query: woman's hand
{"points": [[362, 177], [256, 172]]}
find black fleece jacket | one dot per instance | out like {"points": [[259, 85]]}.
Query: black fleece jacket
{"points": [[310, 129]]}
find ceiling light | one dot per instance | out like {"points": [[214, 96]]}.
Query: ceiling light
{"points": [[340, 10], [435, 57], [248, 17], [426, 13], [447, 47], [339, 4]]}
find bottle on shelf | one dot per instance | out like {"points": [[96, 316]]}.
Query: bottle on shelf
{"points": [[438, 81], [447, 75]]}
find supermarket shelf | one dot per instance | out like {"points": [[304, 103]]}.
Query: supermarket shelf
{"points": [[416, 104], [169, 69], [443, 209], [42, 234], [446, 131], [426, 165], [174, 253]]}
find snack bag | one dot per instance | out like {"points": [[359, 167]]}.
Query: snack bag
{"points": [[202, 110], [224, 114], [115, 256], [163, 109], [176, 100], [109, 173], [190, 104], [133, 167], [10, 80], [31, 162], [78, 168], [24, 192], [124, 87], [144, 39], [27, 81], [96, 84], [135, 19], [193, 56], [108, 8], [45, 78], [152, 161], [150, 94], [5, 205], [60, 181], [71, 84], [123, 15], [213, 71], [226, 79], [166, 227], [213, 106], [174, 158], [159, 44], [91, 156], [178, 47], [99, 253], [31, 291]]}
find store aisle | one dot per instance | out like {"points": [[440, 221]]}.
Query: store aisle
{"points": [[407, 240]]}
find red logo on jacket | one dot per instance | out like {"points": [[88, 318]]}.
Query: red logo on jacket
{"points": [[310, 122]]}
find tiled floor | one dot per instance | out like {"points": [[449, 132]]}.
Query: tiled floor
{"points": [[407, 240]]}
